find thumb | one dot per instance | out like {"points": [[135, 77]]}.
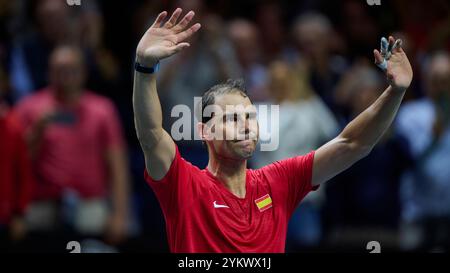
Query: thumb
{"points": [[378, 57], [379, 60], [177, 48]]}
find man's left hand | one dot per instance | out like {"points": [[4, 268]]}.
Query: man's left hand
{"points": [[393, 60]]}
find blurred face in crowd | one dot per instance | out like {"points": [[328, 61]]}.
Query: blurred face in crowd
{"points": [[288, 82], [438, 76], [360, 26], [269, 18], [237, 127], [52, 17], [245, 38], [280, 83], [67, 71], [312, 35]]}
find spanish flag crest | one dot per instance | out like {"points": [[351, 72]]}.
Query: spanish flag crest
{"points": [[264, 202]]}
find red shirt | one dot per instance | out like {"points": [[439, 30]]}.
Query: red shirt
{"points": [[15, 170], [72, 154], [203, 216]]}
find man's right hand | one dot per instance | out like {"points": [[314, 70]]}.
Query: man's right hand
{"points": [[163, 40]]}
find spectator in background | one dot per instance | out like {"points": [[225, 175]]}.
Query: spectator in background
{"points": [[305, 124], [58, 23], [359, 27], [313, 37], [104, 70], [354, 209], [76, 143], [269, 18], [247, 43], [31, 49], [16, 180], [426, 187]]}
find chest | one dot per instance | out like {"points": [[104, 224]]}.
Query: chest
{"points": [[74, 129], [260, 209]]}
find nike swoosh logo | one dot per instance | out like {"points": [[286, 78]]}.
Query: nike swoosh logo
{"points": [[216, 206]]}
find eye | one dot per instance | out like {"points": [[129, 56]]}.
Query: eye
{"points": [[251, 116], [231, 118]]}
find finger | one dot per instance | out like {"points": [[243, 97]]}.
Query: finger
{"points": [[188, 32], [397, 46], [383, 46], [391, 42], [185, 21], [173, 19], [159, 19], [379, 60], [178, 47]]}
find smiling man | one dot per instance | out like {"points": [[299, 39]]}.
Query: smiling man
{"points": [[227, 207]]}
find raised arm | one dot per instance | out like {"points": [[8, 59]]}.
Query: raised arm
{"points": [[360, 135], [161, 40]]}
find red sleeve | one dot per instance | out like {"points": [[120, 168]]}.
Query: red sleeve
{"points": [[22, 112], [175, 187], [293, 179], [23, 171]]}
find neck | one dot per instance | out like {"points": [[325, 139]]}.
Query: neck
{"points": [[230, 172]]}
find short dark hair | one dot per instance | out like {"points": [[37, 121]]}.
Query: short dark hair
{"points": [[229, 87]]}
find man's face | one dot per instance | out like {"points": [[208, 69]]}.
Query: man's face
{"points": [[53, 19], [66, 71], [233, 132], [439, 78], [312, 38]]}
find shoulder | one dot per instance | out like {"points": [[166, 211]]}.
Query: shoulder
{"points": [[180, 169], [34, 99], [33, 104]]}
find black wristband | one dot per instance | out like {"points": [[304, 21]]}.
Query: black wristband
{"points": [[147, 70]]}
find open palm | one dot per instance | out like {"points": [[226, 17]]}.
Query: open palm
{"points": [[398, 69], [163, 40]]}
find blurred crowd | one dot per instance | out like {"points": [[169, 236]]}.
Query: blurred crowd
{"points": [[71, 168]]}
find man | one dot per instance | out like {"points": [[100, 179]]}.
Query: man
{"points": [[227, 207], [354, 210], [79, 155], [16, 180], [313, 36], [425, 123]]}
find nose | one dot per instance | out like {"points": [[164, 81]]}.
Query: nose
{"points": [[244, 126]]}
